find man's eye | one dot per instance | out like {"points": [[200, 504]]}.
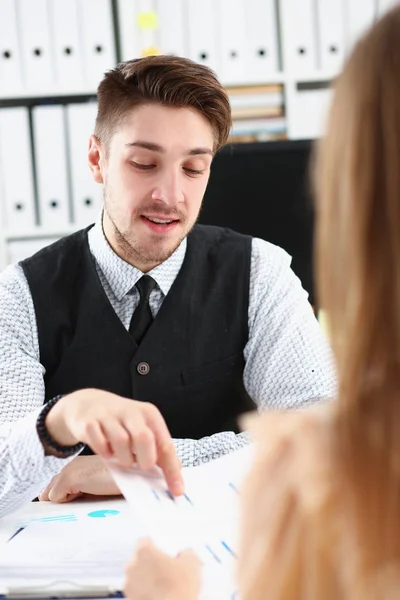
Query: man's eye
{"points": [[142, 167], [193, 171]]}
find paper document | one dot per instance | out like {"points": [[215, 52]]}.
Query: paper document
{"points": [[86, 545], [83, 544], [205, 519]]}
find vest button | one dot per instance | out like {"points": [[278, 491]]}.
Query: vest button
{"points": [[143, 368]]}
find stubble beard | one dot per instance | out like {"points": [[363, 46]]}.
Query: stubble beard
{"points": [[130, 249], [134, 252]]}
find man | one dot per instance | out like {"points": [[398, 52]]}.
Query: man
{"points": [[201, 322]]}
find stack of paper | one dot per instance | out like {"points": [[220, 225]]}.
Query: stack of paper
{"points": [[87, 548]]}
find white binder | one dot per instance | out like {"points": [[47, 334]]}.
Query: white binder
{"points": [[67, 45], [17, 191], [172, 27], [37, 58], [332, 40], [10, 55], [261, 40], [311, 111], [51, 166], [129, 40], [203, 33], [98, 39], [385, 5], [147, 27], [18, 250], [128, 31], [86, 193], [298, 19], [233, 43], [140, 23], [360, 14]]}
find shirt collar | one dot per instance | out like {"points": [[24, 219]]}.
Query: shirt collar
{"points": [[120, 275]]}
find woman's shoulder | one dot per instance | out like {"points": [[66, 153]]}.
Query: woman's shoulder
{"points": [[289, 499], [310, 426], [299, 447]]}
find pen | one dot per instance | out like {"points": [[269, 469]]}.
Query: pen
{"points": [[16, 533]]}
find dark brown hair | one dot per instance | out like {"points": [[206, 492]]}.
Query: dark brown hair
{"points": [[168, 80]]}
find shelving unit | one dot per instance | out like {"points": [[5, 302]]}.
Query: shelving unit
{"points": [[283, 34]]}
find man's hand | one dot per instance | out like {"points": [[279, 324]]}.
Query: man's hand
{"points": [[125, 430], [84, 475], [152, 575]]}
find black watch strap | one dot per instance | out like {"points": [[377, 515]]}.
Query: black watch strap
{"points": [[45, 437]]}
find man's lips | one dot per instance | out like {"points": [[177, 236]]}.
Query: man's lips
{"points": [[160, 219], [159, 226]]}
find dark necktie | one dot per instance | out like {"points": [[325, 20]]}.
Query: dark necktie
{"points": [[142, 317]]}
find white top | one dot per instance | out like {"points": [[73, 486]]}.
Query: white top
{"points": [[288, 360]]}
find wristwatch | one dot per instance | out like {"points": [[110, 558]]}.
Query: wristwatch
{"points": [[45, 437]]}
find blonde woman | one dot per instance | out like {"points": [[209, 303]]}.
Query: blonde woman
{"points": [[321, 507]]}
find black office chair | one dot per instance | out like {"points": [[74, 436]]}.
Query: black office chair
{"points": [[263, 189]]}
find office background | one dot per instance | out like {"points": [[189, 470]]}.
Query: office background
{"points": [[277, 59]]}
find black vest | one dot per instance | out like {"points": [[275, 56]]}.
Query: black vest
{"points": [[190, 362]]}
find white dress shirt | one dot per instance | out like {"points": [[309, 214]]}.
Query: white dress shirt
{"points": [[288, 362]]}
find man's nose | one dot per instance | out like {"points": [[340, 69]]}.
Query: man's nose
{"points": [[169, 188]]}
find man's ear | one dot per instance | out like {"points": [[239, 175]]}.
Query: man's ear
{"points": [[95, 158]]}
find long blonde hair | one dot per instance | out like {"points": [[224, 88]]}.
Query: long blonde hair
{"points": [[358, 274], [322, 517]]}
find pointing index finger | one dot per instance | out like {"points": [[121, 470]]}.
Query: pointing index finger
{"points": [[170, 465], [167, 458]]}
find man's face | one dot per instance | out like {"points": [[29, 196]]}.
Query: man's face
{"points": [[154, 178]]}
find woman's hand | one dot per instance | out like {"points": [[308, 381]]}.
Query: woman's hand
{"points": [[153, 575]]}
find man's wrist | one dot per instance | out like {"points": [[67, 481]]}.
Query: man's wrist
{"points": [[55, 437]]}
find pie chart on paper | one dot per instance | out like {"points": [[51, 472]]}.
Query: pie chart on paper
{"points": [[102, 514]]}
